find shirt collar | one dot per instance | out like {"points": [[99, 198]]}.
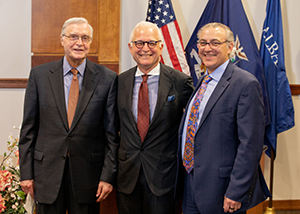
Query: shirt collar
{"points": [[217, 74], [154, 72], [67, 67]]}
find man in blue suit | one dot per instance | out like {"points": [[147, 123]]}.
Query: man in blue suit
{"points": [[221, 155]]}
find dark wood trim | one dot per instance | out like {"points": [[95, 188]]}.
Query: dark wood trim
{"points": [[22, 82], [39, 59], [284, 204], [295, 89], [13, 82]]}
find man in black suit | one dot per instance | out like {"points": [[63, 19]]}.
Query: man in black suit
{"points": [[147, 153], [69, 164]]}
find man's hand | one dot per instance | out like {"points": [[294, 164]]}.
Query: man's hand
{"points": [[230, 205], [104, 189], [28, 187]]}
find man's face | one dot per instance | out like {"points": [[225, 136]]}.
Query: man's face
{"points": [[145, 57], [214, 56], [76, 51]]}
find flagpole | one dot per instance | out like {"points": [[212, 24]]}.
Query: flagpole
{"points": [[271, 209]]}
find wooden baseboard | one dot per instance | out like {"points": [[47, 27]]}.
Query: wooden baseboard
{"points": [[284, 204]]}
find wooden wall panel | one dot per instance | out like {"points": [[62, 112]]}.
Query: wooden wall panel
{"points": [[49, 16], [47, 20], [109, 30]]}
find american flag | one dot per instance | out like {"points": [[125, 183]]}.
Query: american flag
{"points": [[161, 13]]}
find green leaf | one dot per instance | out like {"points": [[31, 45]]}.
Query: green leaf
{"points": [[13, 170], [4, 154], [11, 210], [22, 210], [21, 194]]}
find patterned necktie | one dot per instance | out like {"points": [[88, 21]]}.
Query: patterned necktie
{"points": [[188, 156], [143, 109], [73, 96]]}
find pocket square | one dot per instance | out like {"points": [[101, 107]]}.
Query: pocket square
{"points": [[171, 98]]}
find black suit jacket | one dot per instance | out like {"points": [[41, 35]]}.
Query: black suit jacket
{"points": [[46, 138], [157, 154]]}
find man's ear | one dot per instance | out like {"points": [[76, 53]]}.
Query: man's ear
{"points": [[230, 47], [130, 46]]}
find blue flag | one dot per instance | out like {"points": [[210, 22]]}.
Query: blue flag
{"points": [[247, 56], [272, 53]]}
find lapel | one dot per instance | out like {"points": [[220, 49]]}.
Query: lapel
{"points": [[57, 86], [188, 104], [220, 88], [87, 89], [164, 86], [128, 95], [89, 84]]}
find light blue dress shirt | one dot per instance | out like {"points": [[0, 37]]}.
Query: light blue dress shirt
{"points": [[216, 76], [152, 82], [68, 76]]}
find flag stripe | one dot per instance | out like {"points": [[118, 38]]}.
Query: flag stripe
{"points": [[165, 55], [173, 29], [178, 33], [170, 47], [161, 13]]}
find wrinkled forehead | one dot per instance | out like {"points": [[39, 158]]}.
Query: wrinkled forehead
{"points": [[78, 28], [213, 33], [146, 33]]}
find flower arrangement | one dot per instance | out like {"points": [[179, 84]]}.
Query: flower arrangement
{"points": [[12, 198]]}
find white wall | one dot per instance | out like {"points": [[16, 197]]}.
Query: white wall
{"points": [[11, 108], [15, 25], [15, 62], [188, 12]]}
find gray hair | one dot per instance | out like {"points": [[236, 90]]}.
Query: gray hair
{"points": [[75, 20], [146, 24], [229, 34]]}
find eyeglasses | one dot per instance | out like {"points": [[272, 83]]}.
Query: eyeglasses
{"points": [[212, 44], [74, 38], [140, 44]]}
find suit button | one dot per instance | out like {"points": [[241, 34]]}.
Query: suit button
{"points": [[142, 150], [63, 157], [69, 138]]}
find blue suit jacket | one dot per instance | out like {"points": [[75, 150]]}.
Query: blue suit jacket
{"points": [[228, 144]]}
